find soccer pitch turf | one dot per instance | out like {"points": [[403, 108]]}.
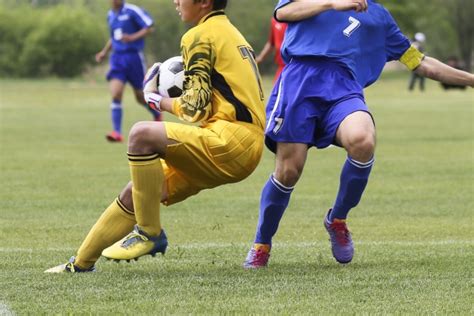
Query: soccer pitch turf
{"points": [[412, 229]]}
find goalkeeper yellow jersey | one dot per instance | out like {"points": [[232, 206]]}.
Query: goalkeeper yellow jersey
{"points": [[222, 81]]}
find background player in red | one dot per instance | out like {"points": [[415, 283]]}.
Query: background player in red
{"points": [[275, 39]]}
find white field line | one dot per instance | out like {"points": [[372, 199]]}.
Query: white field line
{"points": [[276, 245], [5, 311]]}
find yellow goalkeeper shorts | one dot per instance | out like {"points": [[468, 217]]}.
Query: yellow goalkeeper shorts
{"points": [[205, 157]]}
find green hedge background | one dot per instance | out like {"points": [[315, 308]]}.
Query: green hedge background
{"points": [[60, 38]]}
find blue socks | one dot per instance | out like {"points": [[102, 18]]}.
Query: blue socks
{"points": [[274, 200], [354, 177], [116, 115]]}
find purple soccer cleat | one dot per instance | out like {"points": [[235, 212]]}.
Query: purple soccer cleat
{"points": [[341, 241], [257, 257]]}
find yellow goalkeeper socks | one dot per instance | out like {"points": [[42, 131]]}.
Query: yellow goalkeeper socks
{"points": [[115, 223], [147, 178]]}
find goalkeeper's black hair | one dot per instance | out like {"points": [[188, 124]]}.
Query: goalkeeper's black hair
{"points": [[217, 5]]}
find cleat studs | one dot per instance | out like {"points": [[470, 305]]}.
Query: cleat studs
{"points": [[116, 260], [128, 260], [136, 259]]}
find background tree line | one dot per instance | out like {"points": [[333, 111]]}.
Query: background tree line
{"points": [[60, 37]]}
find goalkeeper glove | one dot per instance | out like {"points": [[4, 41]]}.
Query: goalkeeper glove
{"points": [[150, 86]]}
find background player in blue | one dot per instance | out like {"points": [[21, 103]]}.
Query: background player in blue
{"points": [[128, 26], [332, 49]]}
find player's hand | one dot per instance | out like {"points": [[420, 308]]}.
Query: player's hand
{"points": [[150, 87], [127, 38], [99, 57], [153, 100], [345, 5], [150, 83]]}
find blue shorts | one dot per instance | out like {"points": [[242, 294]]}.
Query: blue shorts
{"points": [[128, 67], [309, 101]]}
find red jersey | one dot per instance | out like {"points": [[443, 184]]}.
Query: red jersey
{"points": [[277, 33]]}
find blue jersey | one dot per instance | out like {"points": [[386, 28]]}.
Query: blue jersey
{"points": [[128, 20], [363, 42]]}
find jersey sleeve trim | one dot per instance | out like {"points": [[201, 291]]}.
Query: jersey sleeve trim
{"points": [[279, 6], [148, 22], [412, 58]]}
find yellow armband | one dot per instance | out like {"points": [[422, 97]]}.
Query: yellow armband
{"points": [[412, 58]]}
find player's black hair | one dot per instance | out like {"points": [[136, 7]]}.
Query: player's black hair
{"points": [[219, 4]]}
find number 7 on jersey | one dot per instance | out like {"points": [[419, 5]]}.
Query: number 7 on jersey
{"points": [[354, 25]]}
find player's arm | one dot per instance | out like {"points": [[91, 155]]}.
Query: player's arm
{"points": [[143, 19], [126, 38], [432, 68], [267, 49], [103, 53], [436, 70], [298, 10], [194, 105]]}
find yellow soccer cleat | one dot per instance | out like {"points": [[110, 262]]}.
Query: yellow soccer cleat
{"points": [[135, 245], [69, 267]]}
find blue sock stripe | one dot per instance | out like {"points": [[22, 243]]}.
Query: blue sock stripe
{"points": [[280, 186], [359, 164]]}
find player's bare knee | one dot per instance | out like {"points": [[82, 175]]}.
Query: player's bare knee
{"points": [[141, 140], [361, 146], [288, 175]]}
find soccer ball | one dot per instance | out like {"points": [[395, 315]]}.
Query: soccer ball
{"points": [[171, 77]]}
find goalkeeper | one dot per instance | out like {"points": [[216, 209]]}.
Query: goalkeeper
{"points": [[170, 162]]}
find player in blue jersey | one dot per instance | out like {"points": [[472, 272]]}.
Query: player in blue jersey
{"points": [[333, 49], [128, 25]]}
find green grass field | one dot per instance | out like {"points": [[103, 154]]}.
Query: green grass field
{"points": [[413, 229]]}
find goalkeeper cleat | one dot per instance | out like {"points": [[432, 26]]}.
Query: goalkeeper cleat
{"points": [[114, 137], [69, 267], [341, 241], [257, 257], [135, 245]]}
